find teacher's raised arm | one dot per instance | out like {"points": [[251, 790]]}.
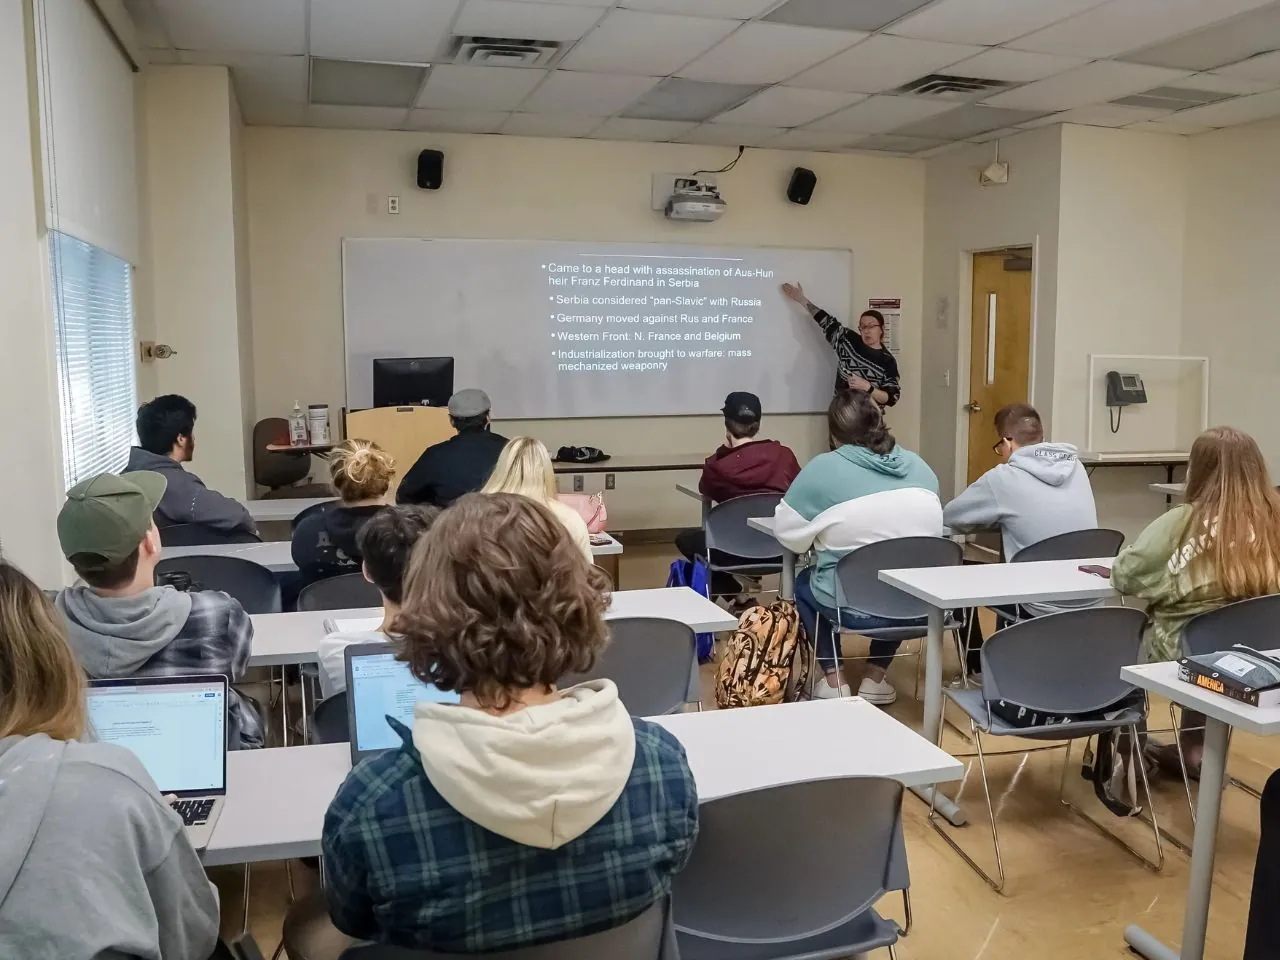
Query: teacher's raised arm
{"points": [[864, 362]]}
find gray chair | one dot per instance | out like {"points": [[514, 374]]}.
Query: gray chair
{"points": [[1060, 664], [311, 511], [653, 661], [251, 583], [1075, 545], [197, 535], [347, 592], [791, 872], [725, 527], [329, 723]]}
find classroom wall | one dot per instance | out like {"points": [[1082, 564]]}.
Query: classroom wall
{"points": [[309, 188]]}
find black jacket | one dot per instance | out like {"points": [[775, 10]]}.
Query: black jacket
{"points": [[446, 471], [324, 544]]}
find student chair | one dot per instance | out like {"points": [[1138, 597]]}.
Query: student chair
{"points": [[347, 592], [329, 722], [654, 663], [791, 872], [197, 535], [251, 583], [725, 528], [1075, 545], [280, 470], [1060, 664], [309, 511]]}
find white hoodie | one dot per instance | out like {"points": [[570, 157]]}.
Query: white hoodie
{"points": [[541, 776]]}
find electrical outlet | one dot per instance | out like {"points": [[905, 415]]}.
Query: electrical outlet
{"points": [[393, 205], [577, 483], [608, 481], [946, 378]]}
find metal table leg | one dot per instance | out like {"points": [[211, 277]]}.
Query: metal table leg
{"points": [[787, 585], [933, 714], [1213, 768]]}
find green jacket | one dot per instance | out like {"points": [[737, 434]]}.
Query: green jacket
{"points": [[1157, 568]]}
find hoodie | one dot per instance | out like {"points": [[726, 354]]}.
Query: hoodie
{"points": [[486, 833], [188, 500], [163, 632], [851, 497], [325, 543], [761, 466], [93, 864]]}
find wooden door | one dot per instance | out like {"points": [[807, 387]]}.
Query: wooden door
{"points": [[999, 348]]}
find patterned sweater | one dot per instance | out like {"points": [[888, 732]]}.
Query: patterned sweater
{"points": [[876, 365]]}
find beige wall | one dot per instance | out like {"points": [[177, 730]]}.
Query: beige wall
{"points": [[310, 188]]}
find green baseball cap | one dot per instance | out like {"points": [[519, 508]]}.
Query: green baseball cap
{"points": [[109, 515]]}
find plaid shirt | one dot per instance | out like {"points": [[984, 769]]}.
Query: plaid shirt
{"points": [[403, 867]]}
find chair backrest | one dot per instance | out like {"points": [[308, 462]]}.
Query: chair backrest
{"points": [[1076, 545], [329, 722], [858, 583], [788, 862], [252, 584], [638, 939], [650, 659], [276, 468], [310, 511], [196, 535], [1064, 662], [346, 592], [1251, 622], [726, 528]]}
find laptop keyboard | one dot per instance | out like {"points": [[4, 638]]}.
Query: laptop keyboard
{"points": [[194, 812]]}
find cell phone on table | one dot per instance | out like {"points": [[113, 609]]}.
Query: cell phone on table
{"points": [[1097, 569], [599, 539]]}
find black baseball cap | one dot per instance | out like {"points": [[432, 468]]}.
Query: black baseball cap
{"points": [[741, 407]]}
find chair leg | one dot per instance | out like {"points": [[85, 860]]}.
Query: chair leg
{"points": [[906, 910], [996, 884], [1182, 762], [893, 954]]}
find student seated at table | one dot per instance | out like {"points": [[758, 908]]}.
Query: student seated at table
{"points": [[867, 489], [325, 543], [1221, 545], [166, 440], [1262, 936], [744, 464], [527, 814], [461, 464], [525, 467], [120, 624], [386, 542], [93, 863]]}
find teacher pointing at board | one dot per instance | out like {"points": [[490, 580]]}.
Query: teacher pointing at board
{"points": [[864, 363]]}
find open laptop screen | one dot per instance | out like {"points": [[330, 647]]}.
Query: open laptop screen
{"points": [[175, 726], [380, 686]]}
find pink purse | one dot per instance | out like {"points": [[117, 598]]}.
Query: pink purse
{"points": [[590, 507]]}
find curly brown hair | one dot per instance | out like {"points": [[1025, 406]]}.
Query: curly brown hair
{"points": [[361, 470], [499, 599]]}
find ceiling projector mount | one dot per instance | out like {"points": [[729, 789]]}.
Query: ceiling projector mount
{"points": [[692, 196]]}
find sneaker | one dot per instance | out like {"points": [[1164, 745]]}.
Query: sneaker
{"points": [[825, 691], [881, 692]]}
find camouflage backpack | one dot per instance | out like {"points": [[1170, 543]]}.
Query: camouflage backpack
{"points": [[766, 661]]}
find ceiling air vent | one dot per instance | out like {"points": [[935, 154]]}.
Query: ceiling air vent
{"points": [[941, 86], [505, 52]]}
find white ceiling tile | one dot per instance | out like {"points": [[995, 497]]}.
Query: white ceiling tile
{"points": [[408, 31], [656, 131], [1048, 120], [881, 114], [149, 29], [892, 143], [1229, 113], [883, 63], [768, 52], [1092, 83], [259, 76], [356, 118], [649, 44], [810, 139], [160, 55], [995, 135], [1226, 84], [1264, 67], [243, 26], [588, 94], [1170, 125], [271, 113], [937, 151], [524, 19], [1111, 115], [550, 125], [1123, 25], [781, 106], [1015, 66], [731, 134], [457, 121], [579, 3], [729, 9], [456, 87], [986, 22]]}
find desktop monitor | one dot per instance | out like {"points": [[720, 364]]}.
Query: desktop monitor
{"points": [[412, 381], [380, 686]]}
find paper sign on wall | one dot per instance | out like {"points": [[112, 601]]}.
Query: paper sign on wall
{"points": [[892, 310]]}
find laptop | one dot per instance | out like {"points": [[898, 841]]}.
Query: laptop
{"points": [[177, 727], [380, 686]]}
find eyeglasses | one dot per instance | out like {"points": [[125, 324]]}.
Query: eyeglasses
{"points": [[868, 326], [998, 445]]}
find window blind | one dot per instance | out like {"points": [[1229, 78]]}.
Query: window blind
{"points": [[93, 315]]}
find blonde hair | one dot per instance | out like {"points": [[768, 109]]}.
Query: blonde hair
{"points": [[41, 684], [1235, 514], [361, 470], [524, 467]]}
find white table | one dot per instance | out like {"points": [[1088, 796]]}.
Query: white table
{"points": [[285, 508], [1221, 714], [985, 585], [291, 638], [1170, 489], [276, 799]]}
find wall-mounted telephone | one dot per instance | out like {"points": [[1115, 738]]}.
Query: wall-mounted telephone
{"points": [[1123, 390]]}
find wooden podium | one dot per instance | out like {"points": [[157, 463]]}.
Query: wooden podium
{"points": [[404, 432]]}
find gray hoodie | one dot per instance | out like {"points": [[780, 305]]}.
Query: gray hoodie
{"points": [[188, 500], [93, 864]]}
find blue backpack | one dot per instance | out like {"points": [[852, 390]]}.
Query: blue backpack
{"points": [[694, 575]]}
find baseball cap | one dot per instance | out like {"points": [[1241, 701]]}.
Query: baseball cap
{"points": [[468, 403], [741, 407], [109, 515]]}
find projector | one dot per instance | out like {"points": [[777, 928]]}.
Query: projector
{"points": [[693, 200]]}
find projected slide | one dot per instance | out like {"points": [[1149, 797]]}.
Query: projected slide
{"points": [[562, 329]]}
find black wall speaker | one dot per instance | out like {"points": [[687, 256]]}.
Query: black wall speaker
{"points": [[430, 169], [800, 189]]}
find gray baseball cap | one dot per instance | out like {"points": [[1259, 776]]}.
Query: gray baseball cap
{"points": [[469, 403]]}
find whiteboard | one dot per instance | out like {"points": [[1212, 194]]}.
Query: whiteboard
{"points": [[557, 329]]}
